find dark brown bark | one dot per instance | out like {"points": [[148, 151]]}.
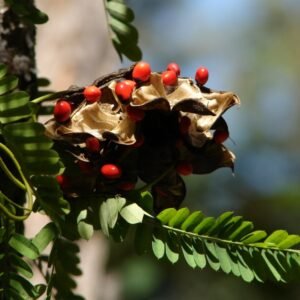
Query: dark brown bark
{"points": [[17, 42]]}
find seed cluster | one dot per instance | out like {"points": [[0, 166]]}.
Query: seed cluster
{"points": [[139, 124]]}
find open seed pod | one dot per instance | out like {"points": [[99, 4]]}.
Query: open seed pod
{"points": [[176, 123]]}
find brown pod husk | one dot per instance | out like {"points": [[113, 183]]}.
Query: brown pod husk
{"points": [[108, 121]]}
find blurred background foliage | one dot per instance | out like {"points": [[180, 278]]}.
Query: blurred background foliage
{"points": [[251, 47]]}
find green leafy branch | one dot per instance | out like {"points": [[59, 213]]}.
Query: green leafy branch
{"points": [[30, 151], [35, 164], [123, 34], [26, 11], [226, 243]]}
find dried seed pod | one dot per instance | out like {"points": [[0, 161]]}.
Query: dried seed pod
{"points": [[112, 122]]}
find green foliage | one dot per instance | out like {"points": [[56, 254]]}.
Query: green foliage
{"points": [[64, 262], [124, 35], [14, 106], [226, 243], [37, 164], [15, 272], [27, 11]]}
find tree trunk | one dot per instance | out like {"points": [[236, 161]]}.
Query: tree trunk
{"points": [[17, 48]]}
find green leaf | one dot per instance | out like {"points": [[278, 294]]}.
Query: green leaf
{"points": [[133, 214], [108, 213], [267, 258], [166, 215], [120, 11], [241, 231], [276, 237], [82, 215], [3, 70], [131, 51], [20, 265], [85, 230], [231, 227], [289, 242], [192, 220], [187, 250], [179, 217], [204, 225], [46, 235], [254, 237], [13, 100], [23, 286], [125, 36], [8, 83], [124, 31], [224, 258], [245, 270], [199, 253], [221, 221], [24, 246], [211, 255], [104, 216], [114, 205], [158, 246], [171, 246]]}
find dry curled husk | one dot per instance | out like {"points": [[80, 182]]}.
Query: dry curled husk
{"points": [[108, 121]]}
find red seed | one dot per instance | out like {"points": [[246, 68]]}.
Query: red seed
{"points": [[111, 171], [202, 75], [126, 186], [174, 67], [63, 181], [184, 125], [93, 144], [135, 114], [141, 71], [220, 136], [62, 111], [92, 93], [131, 83], [169, 78], [123, 90], [184, 168]]}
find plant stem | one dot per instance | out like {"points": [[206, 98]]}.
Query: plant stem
{"points": [[26, 187], [48, 97], [16, 181]]}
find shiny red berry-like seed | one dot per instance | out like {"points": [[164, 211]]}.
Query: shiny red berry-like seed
{"points": [[92, 93], [220, 136], [169, 78], [184, 125], [174, 67], [202, 75], [92, 144], [184, 168], [135, 114], [126, 186], [63, 181], [111, 171], [62, 111], [141, 71], [123, 90], [131, 83]]}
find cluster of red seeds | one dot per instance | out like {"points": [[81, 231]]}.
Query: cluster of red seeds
{"points": [[123, 89]]}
